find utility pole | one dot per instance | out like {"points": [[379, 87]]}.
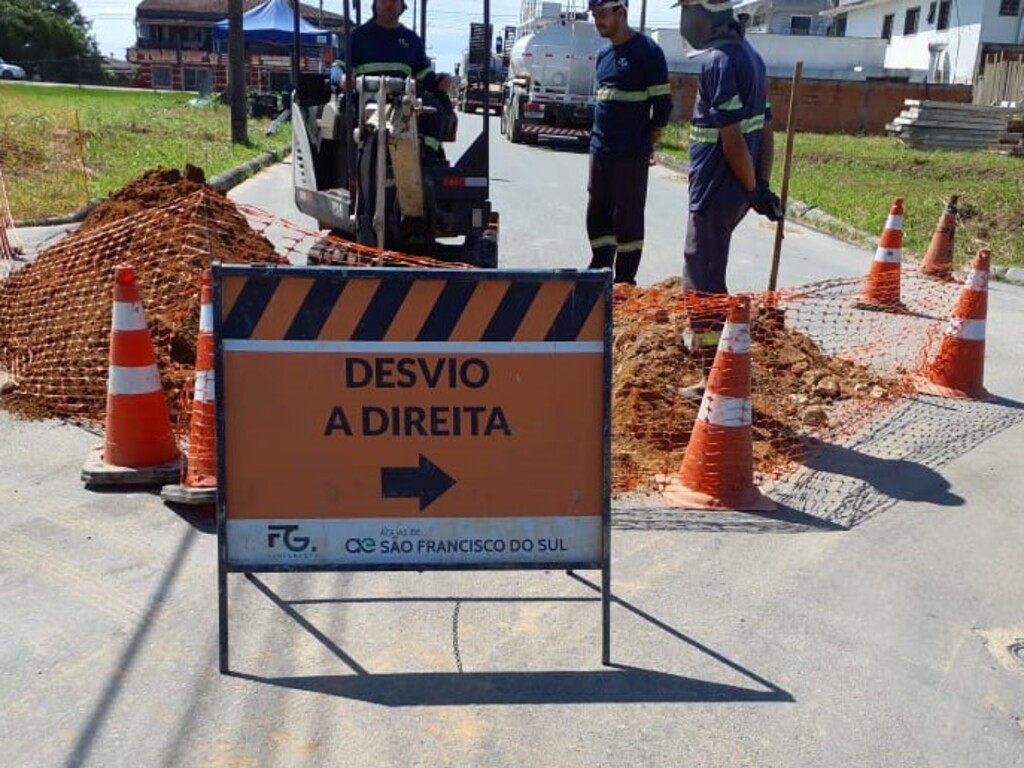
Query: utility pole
{"points": [[236, 73], [643, 15]]}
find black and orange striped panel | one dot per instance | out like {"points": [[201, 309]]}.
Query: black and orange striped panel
{"points": [[327, 304]]}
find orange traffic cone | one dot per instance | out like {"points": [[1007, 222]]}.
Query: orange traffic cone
{"points": [[958, 369], [139, 447], [938, 260], [199, 480], [718, 467], [882, 287]]}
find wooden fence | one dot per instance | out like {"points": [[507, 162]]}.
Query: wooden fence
{"points": [[1001, 81]]}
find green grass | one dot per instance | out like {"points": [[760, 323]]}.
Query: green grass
{"points": [[855, 178], [125, 133]]}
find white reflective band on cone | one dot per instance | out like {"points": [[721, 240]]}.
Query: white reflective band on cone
{"points": [[889, 255], [968, 330], [977, 280], [725, 411], [125, 380], [894, 222], [735, 338], [206, 318], [205, 390], [128, 316]]}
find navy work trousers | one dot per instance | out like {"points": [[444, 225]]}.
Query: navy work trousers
{"points": [[615, 213], [706, 257]]}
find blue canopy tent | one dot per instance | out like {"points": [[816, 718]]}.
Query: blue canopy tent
{"points": [[272, 22]]}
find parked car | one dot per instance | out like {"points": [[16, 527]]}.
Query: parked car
{"points": [[11, 71]]}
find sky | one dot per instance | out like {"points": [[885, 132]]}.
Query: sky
{"points": [[447, 22]]}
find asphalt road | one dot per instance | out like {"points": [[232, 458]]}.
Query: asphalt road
{"points": [[875, 620]]}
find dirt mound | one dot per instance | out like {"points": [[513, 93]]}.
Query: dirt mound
{"points": [[797, 390], [55, 313], [152, 189]]}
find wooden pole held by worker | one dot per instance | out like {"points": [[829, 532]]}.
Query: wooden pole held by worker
{"points": [[798, 69]]}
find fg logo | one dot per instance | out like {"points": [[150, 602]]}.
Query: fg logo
{"points": [[285, 534]]}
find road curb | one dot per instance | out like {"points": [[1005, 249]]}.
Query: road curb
{"points": [[820, 221], [222, 181]]}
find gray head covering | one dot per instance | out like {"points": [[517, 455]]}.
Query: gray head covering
{"points": [[708, 23]]}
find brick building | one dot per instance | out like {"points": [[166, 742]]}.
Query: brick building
{"points": [[176, 47]]}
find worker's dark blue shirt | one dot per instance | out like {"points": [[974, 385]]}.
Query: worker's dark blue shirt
{"points": [[397, 52], [633, 97], [732, 89]]}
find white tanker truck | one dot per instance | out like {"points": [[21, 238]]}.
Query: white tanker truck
{"points": [[550, 87]]}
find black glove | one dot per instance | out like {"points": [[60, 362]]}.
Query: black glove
{"points": [[765, 202]]}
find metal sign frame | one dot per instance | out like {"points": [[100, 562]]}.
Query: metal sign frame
{"points": [[595, 282]]}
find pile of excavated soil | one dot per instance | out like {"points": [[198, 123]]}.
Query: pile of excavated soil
{"points": [[152, 189], [55, 314], [797, 390]]}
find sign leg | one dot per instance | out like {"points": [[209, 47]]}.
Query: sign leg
{"points": [[222, 610], [606, 615]]}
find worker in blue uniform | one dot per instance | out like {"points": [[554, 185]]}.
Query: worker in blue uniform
{"points": [[632, 108], [383, 46], [731, 155]]}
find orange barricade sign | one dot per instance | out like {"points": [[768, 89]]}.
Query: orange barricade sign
{"points": [[408, 419]]}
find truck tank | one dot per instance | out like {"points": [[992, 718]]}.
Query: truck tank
{"points": [[559, 58]]}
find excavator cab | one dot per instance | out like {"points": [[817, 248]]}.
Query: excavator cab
{"points": [[410, 197]]}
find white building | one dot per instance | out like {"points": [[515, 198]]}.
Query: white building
{"points": [[941, 41], [785, 17]]}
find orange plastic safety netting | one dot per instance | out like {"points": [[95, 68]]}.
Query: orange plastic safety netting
{"points": [[821, 367], [55, 311]]}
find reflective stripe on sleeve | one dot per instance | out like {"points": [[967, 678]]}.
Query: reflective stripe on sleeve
{"points": [[659, 90], [618, 94], [709, 135], [424, 72], [732, 104]]}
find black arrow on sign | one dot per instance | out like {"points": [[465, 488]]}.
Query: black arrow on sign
{"points": [[425, 482]]}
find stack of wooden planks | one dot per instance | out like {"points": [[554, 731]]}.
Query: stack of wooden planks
{"points": [[1012, 141], [948, 125]]}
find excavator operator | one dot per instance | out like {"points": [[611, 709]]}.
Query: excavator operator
{"points": [[383, 46]]}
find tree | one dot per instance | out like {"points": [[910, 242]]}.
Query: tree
{"points": [[51, 39]]}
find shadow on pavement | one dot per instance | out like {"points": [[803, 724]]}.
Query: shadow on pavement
{"points": [[617, 683], [898, 459], [611, 686]]}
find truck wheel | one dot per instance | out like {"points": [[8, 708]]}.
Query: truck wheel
{"points": [[515, 128]]}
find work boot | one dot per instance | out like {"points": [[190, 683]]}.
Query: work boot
{"points": [[602, 258], [626, 266]]}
